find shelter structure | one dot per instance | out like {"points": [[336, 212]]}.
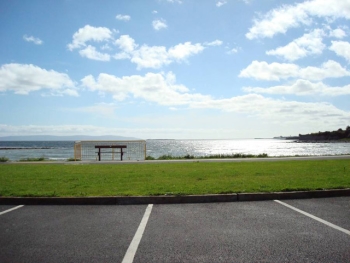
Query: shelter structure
{"points": [[133, 150]]}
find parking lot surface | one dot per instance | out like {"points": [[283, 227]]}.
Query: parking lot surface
{"points": [[265, 231]]}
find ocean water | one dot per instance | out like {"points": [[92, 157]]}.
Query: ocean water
{"points": [[62, 150], [53, 150], [272, 147]]}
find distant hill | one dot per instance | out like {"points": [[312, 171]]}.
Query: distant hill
{"points": [[64, 138], [339, 134]]}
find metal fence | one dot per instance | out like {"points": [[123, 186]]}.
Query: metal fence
{"points": [[86, 150]]}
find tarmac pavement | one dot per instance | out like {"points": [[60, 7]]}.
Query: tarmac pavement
{"points": [[264, 231]]}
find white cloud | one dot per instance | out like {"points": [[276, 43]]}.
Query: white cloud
{"points": [[278, 71], [126, 43], [89, 33], [303, 88], [216, 42], [69, 92], [221, 3], [123, 17], [308, 44], [121, 55], [182, 51], [337, 33], [150, 57], [143, 56], [274, 71], [163, 90], [152, 87], [329, 69], [159, 24], [145, 133], [61, 130], [154, 56], [341, 48], [25, 78], [281, 19], [35, 40], [277, 110], [91, 53], [278, 21], [232, 51]]}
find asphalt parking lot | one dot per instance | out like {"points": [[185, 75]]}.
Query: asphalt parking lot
{"points": [[308, 230]]}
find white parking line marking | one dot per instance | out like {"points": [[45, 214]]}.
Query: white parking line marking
{"points": [[315, 218], [9, 210], [130, 253]]}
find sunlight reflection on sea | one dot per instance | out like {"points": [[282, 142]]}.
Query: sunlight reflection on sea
{"points": [[62, 150]]}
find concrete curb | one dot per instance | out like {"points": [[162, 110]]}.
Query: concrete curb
{"points": [[177, 199], [117, 200], [137, 200], [292, 195]]}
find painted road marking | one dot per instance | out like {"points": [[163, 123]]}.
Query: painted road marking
{"points": [[9, 210], [315, 218], [130, 253]]}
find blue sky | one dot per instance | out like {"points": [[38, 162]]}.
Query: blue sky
{"points": [[174, 68]]}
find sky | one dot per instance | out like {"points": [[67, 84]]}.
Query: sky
{"points": [[174, 69]]}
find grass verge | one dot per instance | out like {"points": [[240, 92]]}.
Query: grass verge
{"points": [[171, 178]]}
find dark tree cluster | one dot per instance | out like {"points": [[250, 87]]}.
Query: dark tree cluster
{"points": [[327, 135]]}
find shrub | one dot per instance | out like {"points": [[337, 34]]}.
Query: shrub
{"points": [[166, 157], [35, 159], [189, 156], [3, 159], [72, 159]]}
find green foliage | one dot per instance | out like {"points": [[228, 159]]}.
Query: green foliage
{"points": [[167, 157], [234, 156], [213, 156], [4, 159], [35, 159], [73, 159], [339, 134]]}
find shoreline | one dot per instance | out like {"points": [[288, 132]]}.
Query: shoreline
{"points": [[176, 159], [175, 149]]}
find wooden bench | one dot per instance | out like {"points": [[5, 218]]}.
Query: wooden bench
{"points": [[99, 147]]}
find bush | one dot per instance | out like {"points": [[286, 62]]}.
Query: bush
{"points": [[166, 157], [4, 159], [213, 156], [72, 159], [37, 159], [189, 156]]}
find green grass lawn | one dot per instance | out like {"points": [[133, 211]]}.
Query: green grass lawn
{"points": [[171, 178]]}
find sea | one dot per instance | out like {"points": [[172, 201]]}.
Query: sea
{"points": [[63, 150]]}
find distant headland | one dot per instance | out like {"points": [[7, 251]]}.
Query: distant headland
{"points": [[338, 135]]}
